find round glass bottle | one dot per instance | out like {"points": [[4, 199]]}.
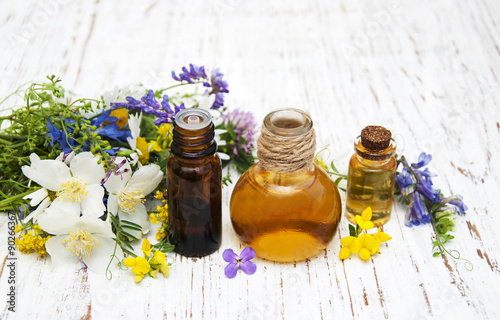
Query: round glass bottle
{"points": [[285, 206], [371, 176], [194, 185]]}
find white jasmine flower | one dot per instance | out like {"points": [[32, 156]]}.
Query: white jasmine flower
{"points": [[78, 240], [75, 189], [127, 192]]}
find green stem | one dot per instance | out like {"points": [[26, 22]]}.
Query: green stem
{"points": [[177, 85], [13, 198]]}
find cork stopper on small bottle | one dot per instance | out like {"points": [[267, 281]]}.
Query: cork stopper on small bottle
{"points": [[375, 138]]}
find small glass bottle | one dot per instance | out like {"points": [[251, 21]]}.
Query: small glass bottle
{"points": [[372, 172], [194, 185], [285, 206]]}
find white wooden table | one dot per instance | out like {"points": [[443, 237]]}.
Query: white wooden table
{"points": [[428, 70]]}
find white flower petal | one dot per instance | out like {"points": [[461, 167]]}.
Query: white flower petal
{"points": [[95, 226], [84, 166], [113, 204], [139, 217], [34, 158], [57, 221], [34, 214], [146, 178], [117, 183], [50, 174], [71, 208], [62, 259], [92, 205], [37, 196], [101, 256], [223, 156]]}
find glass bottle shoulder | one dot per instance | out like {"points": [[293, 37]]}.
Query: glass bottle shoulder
{"points": [[260, 178], [358, 162]]}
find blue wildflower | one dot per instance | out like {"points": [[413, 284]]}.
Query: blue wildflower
{"points": [[417, 212], [107, 127], [457, 201], [66, 143], [423, 160]]}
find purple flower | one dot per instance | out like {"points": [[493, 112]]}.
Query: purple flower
{"points": [[417, 212], [243, 262], [149, 105], [457, 201], [423, 160], [244, 126], [425, 188], [198, 75]]}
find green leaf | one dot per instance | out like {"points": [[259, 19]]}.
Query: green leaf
{"points": [[352, 231], [333, 167]]}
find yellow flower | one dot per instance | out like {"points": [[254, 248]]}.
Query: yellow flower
{"points": [[381, 236], [153, 218], [368, 246], [146, 248], [139, 265], [143, 147], [160, 260], [164, 129], [349, 245], [154, 146], [319, 161], [121, 115], [363, 220]]}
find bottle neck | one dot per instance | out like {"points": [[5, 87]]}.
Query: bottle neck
{"points": [[194, 143], [287, 141], [374, 158]]}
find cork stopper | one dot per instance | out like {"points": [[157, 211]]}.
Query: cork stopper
{"points": [[375, 138]]}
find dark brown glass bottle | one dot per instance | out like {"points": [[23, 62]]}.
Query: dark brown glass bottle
{"points": [[194, 185]]}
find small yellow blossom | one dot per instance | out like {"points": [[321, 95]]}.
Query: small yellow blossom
{"points": [[350, 245], [31, 238], [363, 220], [139, 265], [142, 266], [367, 246], [319, 161], [381, 236], [146, 248]]}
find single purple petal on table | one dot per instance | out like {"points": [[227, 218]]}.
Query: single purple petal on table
{"points": [[229, 256], [231, 269], [248, 267], [247, 254]]}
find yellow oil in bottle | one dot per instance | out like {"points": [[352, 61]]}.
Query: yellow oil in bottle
{"points": [[370, 186], [285, 217]]}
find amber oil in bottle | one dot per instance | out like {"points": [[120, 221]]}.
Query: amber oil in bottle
{"points": [[194, 185], [285, 216], [371, 177]]}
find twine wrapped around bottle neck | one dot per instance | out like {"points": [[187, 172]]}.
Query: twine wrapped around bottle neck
{"points": [[286, 154]]}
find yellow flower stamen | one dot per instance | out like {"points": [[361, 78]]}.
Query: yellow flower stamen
{"points": [[128, 200], [81, 243], [73, 190]]}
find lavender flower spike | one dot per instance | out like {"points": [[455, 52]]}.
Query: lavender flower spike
{"points": [[235, 262]]}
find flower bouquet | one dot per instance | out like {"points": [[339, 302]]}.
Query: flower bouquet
{"points": [[85, 177]]}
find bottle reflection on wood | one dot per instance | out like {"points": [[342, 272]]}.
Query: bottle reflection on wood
{"points": [[194, 185]]}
